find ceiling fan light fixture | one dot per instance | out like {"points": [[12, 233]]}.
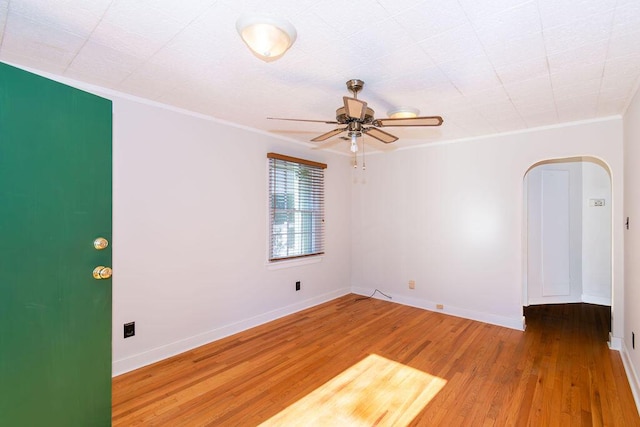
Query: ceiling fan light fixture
{"points": [[268, 37], [354, 142], [403, 113]]}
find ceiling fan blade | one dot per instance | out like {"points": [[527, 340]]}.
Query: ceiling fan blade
{"points": [[414, 121], [304, 120], [380, 135], [355, 108], [328, 135]]}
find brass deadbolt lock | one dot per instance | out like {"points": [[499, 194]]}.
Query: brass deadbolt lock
{"points": [[100, 243]]}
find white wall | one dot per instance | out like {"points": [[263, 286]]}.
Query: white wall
{"points": [[449, 216], [596, 234], [190, 233], [631, 356]]}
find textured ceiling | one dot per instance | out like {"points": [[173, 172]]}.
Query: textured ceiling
{"points": [[486, 66]]}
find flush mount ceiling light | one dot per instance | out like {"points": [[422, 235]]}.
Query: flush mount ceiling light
{"points": [[267, 37], [403, 113]]}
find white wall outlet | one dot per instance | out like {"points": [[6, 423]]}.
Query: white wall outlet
{"points": [[596, 202], [440, 306], [412, 284]]}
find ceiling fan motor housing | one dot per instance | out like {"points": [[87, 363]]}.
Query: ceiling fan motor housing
{"points": [[354, 128], [342, 117]]}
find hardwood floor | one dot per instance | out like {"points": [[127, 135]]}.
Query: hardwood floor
{"points": [[427, 368]]}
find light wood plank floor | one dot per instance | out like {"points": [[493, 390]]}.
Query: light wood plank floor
{"points": [[558, 372]]}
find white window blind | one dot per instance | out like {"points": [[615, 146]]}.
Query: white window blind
{"points": [[296, 207]]}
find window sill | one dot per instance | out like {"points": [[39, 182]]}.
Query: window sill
{"points": [[278, 265]]}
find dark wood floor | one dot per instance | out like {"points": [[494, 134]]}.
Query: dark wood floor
{"points": [[558, 372]]}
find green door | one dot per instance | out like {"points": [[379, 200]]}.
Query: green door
{"points": [[55, 199]]}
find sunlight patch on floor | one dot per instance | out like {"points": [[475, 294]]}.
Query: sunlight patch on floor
{"points": [[375, 391]]}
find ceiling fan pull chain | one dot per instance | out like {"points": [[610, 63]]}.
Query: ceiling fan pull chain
{"points": [[364, 164]]}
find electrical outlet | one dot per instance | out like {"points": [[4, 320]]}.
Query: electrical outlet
{"points": [[440, 306], [412, 284], [298, 285], [129, 329]]}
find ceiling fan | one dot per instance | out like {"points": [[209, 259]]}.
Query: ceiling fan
{"points": [[357, 119]]}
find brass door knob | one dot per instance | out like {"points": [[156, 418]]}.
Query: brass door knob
{"points": [[100, 243], [102, 272]]}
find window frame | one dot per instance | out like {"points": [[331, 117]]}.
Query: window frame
{"points": [[316, 231]]}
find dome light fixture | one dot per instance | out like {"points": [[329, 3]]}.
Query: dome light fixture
{"points": [[268, 37], [403, 113]]}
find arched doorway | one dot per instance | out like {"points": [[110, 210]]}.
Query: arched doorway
{"points": [[567, 232]]}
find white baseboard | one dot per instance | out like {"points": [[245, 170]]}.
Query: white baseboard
{"points": [[507, 322], [615, 343], [632, 376], [554, 300], [591, 299], [156, 354]]}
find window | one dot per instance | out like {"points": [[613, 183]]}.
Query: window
{"points": [[296, 207]]}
